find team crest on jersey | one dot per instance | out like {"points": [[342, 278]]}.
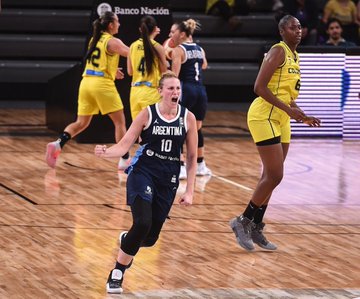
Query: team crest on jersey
{"points": [[173, 179], [181, 121]]}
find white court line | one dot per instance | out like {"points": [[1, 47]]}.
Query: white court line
{"points": [[232, 183]]}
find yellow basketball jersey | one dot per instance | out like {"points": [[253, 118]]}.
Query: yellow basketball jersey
{"points": [[285, 82], [140, 76], [101, 63]]}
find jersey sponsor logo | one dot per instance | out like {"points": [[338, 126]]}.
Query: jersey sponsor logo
{"points": [[173, 180], [293, 71], [156, 121], [141, 11], [149, 152], [167, 130]]}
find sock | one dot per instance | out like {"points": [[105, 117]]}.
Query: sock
{"points": [[120, 267], [259, 214], [126, 156], [250, 210], [63, 138], [200, 159]]}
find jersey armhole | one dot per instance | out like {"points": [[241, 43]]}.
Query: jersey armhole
{"points": [[185, 56], [150, 118], [281, 65], [185, 119]]}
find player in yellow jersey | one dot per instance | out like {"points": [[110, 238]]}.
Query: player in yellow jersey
{"points": [[145, 64], [97, 90], [277, 86]]}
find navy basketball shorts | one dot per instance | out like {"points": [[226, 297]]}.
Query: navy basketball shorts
{"points": [[160, 196], [194, 98]]}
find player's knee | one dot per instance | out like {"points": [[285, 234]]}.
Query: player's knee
{"points": [[200, 138], [274, 178], [142, 227], [149, 241]]}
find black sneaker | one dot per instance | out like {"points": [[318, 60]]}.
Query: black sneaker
{"points": [[114, 282]]}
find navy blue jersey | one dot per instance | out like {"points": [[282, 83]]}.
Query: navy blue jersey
{"points": [[161, 142], [191, 70]]}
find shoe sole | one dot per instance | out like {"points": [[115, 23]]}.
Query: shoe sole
{"points": [[113, 291], [239, 241], [267, 248]]}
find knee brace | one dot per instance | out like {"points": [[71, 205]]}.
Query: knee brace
{"points": [[153, 235], [200, 139], [142, 222]]}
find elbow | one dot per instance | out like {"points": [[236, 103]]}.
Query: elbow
{"points": [[257, 89]]}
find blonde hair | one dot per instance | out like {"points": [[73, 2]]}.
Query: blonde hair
{"points": [[166, 75], [189, 26]]}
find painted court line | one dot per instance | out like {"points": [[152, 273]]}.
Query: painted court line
{"points": [[231, 182]]}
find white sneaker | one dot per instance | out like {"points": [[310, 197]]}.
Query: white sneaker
{"points": [[201, 182], [202, 169], [182, 175], [124, 163]]}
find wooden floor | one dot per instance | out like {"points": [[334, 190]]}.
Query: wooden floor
{"points": [[59, 228]]}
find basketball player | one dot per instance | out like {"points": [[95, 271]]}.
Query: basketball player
{"points": [[277, 86], [188, 61], [153, 176], [145, 64], [97, 88]]}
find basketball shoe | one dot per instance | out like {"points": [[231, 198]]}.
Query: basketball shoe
{"points": [[123, 163], [242, 228], [182, 175], [202, 169], [114, 282], [53, 150], [259, 238]]}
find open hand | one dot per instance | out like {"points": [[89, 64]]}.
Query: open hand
{"points": [[312, 121]]}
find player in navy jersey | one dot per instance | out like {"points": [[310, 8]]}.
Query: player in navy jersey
{"points": [[153, 176], [188, 61]]}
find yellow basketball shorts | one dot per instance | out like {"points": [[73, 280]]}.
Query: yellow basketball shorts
{"points": [[266, 121], [141, 97], [98, 94]]}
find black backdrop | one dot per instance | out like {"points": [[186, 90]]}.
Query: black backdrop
{"points": [[61, 106]]}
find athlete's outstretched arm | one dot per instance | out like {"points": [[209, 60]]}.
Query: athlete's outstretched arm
{"points": [[129, 66], [116, 46], [162, 58], [124, 145], [191, 163]]}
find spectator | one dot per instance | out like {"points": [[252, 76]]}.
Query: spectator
{"points": [[334, 31], [345, 12], [227, 9], [306, 11]]}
